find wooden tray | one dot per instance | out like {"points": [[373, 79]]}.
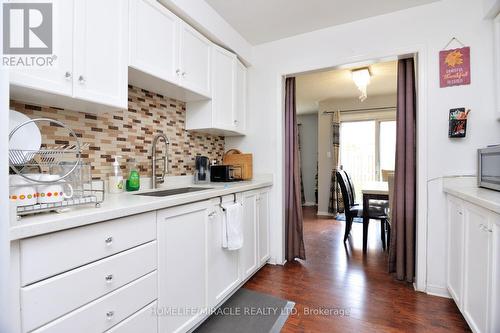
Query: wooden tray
{"points": [[245, 161]]}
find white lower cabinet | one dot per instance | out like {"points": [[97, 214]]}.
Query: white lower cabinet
{"points": [[182, 236], [455, 249], [142, 321], [159, 271], [109, 310], [472, 272], [248, 254], [222, 265], [263, 215]]}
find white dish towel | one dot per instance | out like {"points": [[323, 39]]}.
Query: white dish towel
{"points": [[232, 226]]}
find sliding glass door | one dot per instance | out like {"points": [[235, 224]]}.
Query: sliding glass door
{"points": [[367, 150], [357, 152]]}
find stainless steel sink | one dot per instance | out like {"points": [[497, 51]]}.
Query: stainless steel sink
{"points": [[174, 191]]}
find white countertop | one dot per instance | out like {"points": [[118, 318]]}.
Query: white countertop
{"points": [[124, 204], [466, 189]]}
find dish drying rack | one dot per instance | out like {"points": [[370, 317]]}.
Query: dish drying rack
{"points": [[62, 160]]}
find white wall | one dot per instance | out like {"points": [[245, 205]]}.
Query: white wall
{"points": [[309, 154], [425, 29], [325, 142]]}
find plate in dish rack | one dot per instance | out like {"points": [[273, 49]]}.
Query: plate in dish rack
{"points": [[27, 138]]}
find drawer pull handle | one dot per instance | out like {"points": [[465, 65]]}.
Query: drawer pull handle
{"points": [[109, 278], [109, 241], [109, 315]]}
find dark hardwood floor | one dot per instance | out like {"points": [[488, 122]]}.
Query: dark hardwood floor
{"points": [[339, 279]]}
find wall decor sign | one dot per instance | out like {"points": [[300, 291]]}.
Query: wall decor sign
{"points": [[458, 123], [454, 67]]}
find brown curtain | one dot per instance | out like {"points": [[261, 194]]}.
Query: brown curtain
{"points": [[336, 204], [294, 242], [402, 247]]}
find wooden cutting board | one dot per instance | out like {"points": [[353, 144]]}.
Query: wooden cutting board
{"points": [[237, 158]]}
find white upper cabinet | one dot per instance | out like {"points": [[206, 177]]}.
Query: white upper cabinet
{"points": [[153, 36], [241, 97], [56, 79], [225, 113], [223, 66], [101, 49], [90, 72], [167, 56], [194, 56]]}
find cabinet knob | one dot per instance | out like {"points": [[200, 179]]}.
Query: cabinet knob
{"points": [[109, 315], [67, 75], [81, 79], [108, 241], [212, 215], [183, 74], [236, 122], [178, 72], [109, 278], [485, 228]]}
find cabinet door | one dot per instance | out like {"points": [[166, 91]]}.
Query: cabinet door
{"points": [[101, 52], [455, 248], [58, 78], [263, 218], [476, 270], [223, 270], [495, 275], [182, 265], [248, 254], [240, 99], [223, 69], [195, 53], [153, 39]]}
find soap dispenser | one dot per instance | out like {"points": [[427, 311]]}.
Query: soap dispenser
{"points": [[116, 179], [133, 182]]}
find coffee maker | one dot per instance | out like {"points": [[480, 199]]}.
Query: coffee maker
{"points": [[202, 172]]}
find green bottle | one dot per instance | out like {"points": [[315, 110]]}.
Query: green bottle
{"points": [[133, 182]]}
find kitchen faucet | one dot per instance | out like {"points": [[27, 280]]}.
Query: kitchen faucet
{"points": [[159, 179]]}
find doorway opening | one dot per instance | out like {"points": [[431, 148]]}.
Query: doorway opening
{"points": [[347, 126]]}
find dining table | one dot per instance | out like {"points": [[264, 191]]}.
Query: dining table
{"points": [[372, 191]]}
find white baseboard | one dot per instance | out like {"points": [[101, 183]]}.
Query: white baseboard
{"points": [[437, 291], [308, 204]]}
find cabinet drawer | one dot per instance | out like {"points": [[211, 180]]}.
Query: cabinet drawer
{"points": [[144, 321], [109, 310], [68, 291], [51, 254]]}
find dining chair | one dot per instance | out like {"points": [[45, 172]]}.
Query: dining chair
{"points": [[353, 210]]}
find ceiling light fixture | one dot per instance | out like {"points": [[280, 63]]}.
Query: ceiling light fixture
{"points": [[361, 78]]}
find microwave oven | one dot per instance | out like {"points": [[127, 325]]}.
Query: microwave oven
{"points": [[488, 170]]}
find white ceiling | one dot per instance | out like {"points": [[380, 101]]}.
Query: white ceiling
{"points": [[315, 87], [260, 21]]}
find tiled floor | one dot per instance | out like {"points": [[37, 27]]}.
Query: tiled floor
{"points": [[338, 279]]}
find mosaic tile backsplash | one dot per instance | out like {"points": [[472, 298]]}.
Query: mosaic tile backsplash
{"points": [[130, 133]]}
